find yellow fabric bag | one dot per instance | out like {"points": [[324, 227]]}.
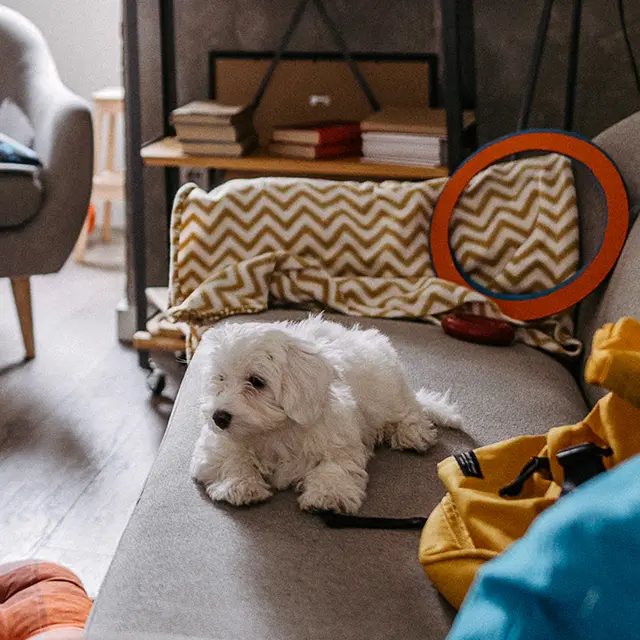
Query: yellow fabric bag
{"points": [[474, 523]]}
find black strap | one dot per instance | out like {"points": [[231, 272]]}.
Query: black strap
{"points": [[342, 521], [514, 489], [580, 463]]}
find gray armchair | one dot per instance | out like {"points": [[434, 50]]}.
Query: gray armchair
{"points": [[42, 211]]}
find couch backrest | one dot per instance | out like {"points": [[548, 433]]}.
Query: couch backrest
{"points": [[619, 295]]}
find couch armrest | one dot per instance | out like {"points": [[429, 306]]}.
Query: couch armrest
{"points": [[64, 142]]}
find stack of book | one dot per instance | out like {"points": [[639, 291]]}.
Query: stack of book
{"points": [[407, 135], [208, 128], [316, 140]]}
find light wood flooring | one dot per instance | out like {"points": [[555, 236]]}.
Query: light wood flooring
{"points": [[78, 428]]}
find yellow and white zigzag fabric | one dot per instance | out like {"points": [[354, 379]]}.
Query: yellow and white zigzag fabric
{"points": [[362, 248]]}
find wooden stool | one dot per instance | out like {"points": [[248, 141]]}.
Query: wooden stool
{"points": [[108, 182]]}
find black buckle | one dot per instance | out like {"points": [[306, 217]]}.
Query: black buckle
{"points": [[581, 463]]}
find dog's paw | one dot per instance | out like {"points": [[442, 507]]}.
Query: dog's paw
{"points": [[238, 492], [417, 434], [329, 500]]}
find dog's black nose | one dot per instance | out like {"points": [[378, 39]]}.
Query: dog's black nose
{"points": [[222, 419]]}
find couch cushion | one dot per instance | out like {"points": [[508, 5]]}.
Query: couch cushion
{"points": [[621, 143], [187, 566], [20, 194], [619, 295]]}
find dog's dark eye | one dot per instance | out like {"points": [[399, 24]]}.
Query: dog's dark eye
{"points": [[255, 382]]}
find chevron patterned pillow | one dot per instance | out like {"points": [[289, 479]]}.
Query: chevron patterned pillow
{"points": [[515, 230], [352, 228], [362, 248]]}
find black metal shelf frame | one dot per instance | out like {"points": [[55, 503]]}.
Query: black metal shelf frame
{"points": [[458, 89]]}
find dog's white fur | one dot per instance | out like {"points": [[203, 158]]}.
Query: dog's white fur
{"points": [[330, 395]]}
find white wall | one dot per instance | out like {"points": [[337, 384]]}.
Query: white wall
{"points": [[85, 39]]}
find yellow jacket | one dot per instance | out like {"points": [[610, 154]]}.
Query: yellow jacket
{"points": [[473, 523]]}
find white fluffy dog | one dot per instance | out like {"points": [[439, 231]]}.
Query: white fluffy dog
{"points": [[304, 404]]}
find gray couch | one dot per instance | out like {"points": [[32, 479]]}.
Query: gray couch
{"points": [[41, 210], [185, 566]]}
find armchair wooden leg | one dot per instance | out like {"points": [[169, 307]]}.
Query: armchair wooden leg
{"points": [[81, 242], [22, 296], [106, 222]]}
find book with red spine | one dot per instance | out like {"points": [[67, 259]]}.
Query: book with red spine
{"points": [[318, 133], [315, 151]]}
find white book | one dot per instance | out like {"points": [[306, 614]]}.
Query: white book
{"points": [[211, 133], [404, 161], [210, 112], [401, 151], [223, 149], [403, 138]]}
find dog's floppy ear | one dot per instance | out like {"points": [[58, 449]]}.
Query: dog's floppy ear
{"points": [[208, 347], [211, 339], [306, 379]]}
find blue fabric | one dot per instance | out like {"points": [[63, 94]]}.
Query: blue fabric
{"points": [[575, 575], [12, 151]]}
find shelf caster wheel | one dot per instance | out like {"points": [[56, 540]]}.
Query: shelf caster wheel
{"points": [[156, 381]]}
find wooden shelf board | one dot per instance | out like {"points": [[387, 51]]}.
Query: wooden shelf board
{"points": [[159, 325], [144, 341], [161, 334], [168, 153]]}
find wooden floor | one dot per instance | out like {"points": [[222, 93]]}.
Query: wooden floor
{"points": [[78, 429]]}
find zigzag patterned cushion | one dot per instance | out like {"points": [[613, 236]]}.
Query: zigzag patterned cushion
{"points": [[362, 248], [515, 229], [363, 229]]}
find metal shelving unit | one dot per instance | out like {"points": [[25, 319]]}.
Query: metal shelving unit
{"points": [[458, 89]]}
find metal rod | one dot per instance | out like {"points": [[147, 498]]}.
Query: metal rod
{"points": [[572, 70], [452, 82], [466, 41], [627, 42], [216, 178], [171, 186], [134, 182], [277, 56], [534, 68], [169, 95], [168, 58], [433, 84], [346, 52]]}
